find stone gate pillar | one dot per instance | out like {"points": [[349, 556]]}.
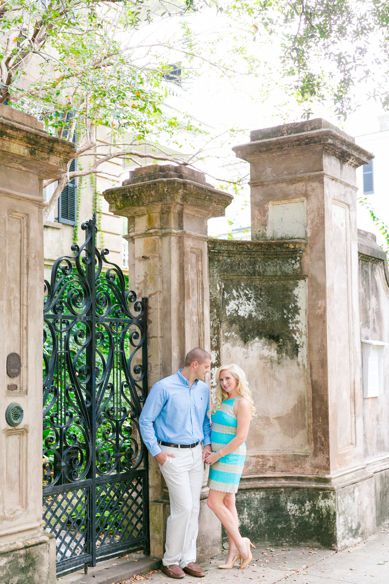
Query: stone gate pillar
{"points": [[27, 155], [167, 209], [303, 192]]}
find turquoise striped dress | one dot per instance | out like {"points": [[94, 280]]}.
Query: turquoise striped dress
{"points": [[226, 473]]}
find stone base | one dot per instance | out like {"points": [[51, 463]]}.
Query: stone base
{"points": [[288, 516], [209, 538], [209, 541], [159, 512], [29, 561], [335, 516]]}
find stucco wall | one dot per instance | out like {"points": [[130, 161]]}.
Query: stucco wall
{"points": [[374, 311], [258, 320]]}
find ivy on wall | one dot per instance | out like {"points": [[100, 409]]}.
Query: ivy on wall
{"points": [[384, 229], [79, 194], [97, 207]]}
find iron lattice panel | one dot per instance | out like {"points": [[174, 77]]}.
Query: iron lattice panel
{"points": [[95, 383], [120, 513], [65, 515]]}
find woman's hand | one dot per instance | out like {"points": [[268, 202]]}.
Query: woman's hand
{"points": [[212, 458]]}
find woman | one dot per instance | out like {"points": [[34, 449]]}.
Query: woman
{"points": [[231, 415]]}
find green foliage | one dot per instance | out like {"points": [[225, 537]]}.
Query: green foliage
{"points": [[97, 208], [327, 48], [75, 46], [90, 56], [79, 194], [383, 228]]}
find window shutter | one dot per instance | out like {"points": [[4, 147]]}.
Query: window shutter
{"points": [[67, 204]]}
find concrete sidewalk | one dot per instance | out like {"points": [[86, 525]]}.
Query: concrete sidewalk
{"points": [[362, 563]]}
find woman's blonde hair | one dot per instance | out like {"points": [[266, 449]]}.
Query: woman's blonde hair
{"points": [[242, 387]]}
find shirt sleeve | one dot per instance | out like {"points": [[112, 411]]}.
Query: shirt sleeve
{"points": [[151, 410], [207, 423]]}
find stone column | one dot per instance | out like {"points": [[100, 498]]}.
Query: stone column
{"points": [[303, 187], [27, 155], [167, 209]]}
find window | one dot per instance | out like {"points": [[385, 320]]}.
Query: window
{"points": [[67, 203], [173, 74], [368, 182]]}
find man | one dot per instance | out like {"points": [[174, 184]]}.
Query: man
{"points": [[173, 423]]}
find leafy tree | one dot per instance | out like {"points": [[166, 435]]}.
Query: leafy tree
{"points": [[90, 66], [72, 63]]}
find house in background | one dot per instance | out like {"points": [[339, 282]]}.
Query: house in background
{"points": [[371, 131], [77, 203], [82, 197]]}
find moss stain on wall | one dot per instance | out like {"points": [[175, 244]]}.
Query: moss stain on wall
{"points": [[288, 516], [264, 309]]}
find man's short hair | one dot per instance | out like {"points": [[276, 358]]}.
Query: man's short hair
{"points": [[197, 354]]}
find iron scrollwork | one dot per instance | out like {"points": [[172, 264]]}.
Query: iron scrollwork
{"points": [[95, 382]]}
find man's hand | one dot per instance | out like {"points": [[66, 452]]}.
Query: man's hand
{"points": [[207, 450], [162, 456]]}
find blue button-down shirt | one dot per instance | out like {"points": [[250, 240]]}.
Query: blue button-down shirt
{"points": [[175, 412]]}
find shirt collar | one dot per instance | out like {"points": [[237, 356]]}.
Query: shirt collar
{"points": [[184, 379]]}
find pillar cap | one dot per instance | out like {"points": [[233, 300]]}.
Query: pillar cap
{"points": [[160, 171], [158, 185], [26, 146], [307, 133]]}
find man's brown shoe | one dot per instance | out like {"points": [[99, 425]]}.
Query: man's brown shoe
{"points": [[173, 571], [194, 570]]}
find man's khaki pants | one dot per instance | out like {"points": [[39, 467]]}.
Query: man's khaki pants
{"points": [[183, 475]]}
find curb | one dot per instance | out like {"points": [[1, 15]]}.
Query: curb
{"points": [[117, 570]]}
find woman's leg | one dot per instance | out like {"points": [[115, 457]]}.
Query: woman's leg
{"points": [[229, 502], [217, 505]]}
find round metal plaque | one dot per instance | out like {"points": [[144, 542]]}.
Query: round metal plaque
{"points": [[14, 414]]}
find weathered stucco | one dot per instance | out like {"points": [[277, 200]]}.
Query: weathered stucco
{"points": [[24, 145], [167, 209], [280, 501], [291, 320], [374, 314], [27, 155], [31, 561], [258, 318], [288, 516], [265, 309]]}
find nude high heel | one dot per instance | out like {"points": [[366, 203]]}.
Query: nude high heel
{"points": [[231, 565], [245, 563]]}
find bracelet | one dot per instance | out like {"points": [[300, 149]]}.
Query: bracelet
{"points": [[220, 453]]}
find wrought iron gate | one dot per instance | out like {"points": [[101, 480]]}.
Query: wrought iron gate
{"points": [[95, 482]]}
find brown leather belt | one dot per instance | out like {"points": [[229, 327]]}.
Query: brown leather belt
{"points": [[178, 445]]}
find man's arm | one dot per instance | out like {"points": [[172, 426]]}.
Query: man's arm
{"points": [[151, 410]]}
